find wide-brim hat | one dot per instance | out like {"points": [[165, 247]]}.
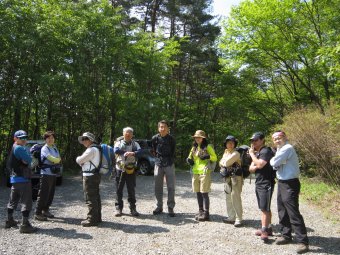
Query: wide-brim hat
{"points": [[199, 133], [88, 135]]}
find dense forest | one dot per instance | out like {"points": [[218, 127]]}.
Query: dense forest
{"points": [[81, 65]]}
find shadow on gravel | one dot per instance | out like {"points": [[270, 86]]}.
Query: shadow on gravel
{"points": [[251, 223], [327, 245], [64, 233], [67, 220], [133, 228], [178, 220]]}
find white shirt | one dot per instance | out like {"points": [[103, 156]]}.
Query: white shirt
{"points": [[91, 154]]}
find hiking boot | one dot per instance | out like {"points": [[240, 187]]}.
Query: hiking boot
{"points": [[119, 213], [264, 236], [40, 217], [269, 231], [228, 221], [47, 214], [200, 212], [11, 223], [157, 211], [134, 212], [87, 223], [238, 223], [204, 216], [302, 248], [171, 212], [27, 228], [283, 240]]}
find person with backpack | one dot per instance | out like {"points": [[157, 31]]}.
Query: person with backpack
{"points": [[90, 163], [201, 155], [163, 146], [126, 150], [18, 164], [49, 166], [265, 181], [286, 163], [232, 172]]}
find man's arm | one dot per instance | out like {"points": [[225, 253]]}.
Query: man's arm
{"points": [[87, 156], [281, 157], [21, 154]]}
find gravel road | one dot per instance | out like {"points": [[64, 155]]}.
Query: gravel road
{"points": [[149, 234]]}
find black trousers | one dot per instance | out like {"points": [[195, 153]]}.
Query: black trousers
{"points": [[46, 192], [288, 210], [130, 180], [92, 197]]}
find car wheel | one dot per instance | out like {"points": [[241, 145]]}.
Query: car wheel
{"points": [[144, 167], [59, 180]]}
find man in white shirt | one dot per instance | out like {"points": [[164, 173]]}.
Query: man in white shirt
{"points": [[89, 162]]}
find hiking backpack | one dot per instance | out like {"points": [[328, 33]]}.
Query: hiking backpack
{"points": [[107, 159], [245, 160], [38, 163], [35, 151]]}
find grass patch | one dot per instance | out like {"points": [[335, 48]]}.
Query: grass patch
{"points": [[324, 196]]}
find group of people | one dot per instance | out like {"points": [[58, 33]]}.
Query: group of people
{"points": [[19, 165], [265, 163]]}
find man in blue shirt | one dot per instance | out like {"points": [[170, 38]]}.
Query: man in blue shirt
{"points": [[286, 163], [18, 164]]}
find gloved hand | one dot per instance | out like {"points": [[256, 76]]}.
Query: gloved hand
{"points": [[204, 157], [190, 161]]}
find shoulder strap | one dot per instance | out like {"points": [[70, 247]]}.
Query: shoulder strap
{"points": [[100, 157]]}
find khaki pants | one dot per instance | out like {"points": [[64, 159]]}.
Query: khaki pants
{"points": [[233, 189], [201, 183]]}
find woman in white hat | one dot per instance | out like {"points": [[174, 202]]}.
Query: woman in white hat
{"points": [[201, 157]]}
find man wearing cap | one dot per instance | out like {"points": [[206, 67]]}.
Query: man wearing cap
{"points": [[163, 145], [89, 162], [286, 163], [18, 164], [265, 181], [126, 150]]}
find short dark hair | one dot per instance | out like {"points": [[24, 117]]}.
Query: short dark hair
{"points": [[163, 122], [48, 134]]}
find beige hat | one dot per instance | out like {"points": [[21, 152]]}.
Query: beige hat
{"points": [[199, 133], [88, 135]]}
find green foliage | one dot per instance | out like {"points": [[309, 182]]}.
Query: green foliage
{"points": [[324, 196], [282, 43], [316, 137]]}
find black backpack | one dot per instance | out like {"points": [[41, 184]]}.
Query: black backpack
{"points": [[245, 160]]}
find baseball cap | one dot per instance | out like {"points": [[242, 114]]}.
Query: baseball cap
{"points": [[20, 134], [256, 136]]}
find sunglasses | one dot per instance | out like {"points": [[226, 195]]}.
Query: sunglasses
{"points": [[254, 140], [84, 139]]}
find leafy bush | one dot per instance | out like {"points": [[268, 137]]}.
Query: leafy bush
{"points": [[317, 139]]}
